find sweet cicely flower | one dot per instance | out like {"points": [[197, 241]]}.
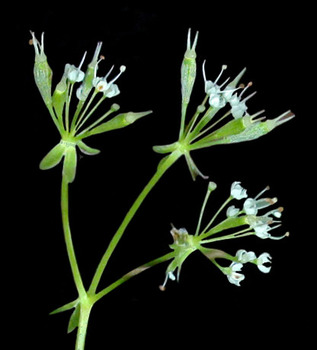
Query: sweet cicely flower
{"points": [[109, 89], [234, 277], [237, 191], [240, 223], [223, 117], [73, 129]]}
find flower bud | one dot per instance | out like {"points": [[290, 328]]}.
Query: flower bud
{"points": [[42, 71]]}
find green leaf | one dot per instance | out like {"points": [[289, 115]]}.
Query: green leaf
{"points": [[74, 319], [53, 157], [70, 163], [86, 149], [65, 307]]}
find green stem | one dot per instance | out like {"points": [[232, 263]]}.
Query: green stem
{"points": [[183, 117], [202, 211], [131, 274], [238, 234], [68, 240], [165, 164], [216, 215], [85, 308]]}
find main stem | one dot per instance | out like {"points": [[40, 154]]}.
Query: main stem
{"points": [[162, 168], [68, 240]]}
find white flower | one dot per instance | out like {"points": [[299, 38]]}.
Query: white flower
{"points": [[109, 89], [75, 75], [250, 207], [261, 260], [233, 276], [216, 95], [237, 191], [262, 231], [244, 256], [232, 211]]}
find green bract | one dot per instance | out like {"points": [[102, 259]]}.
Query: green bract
{"points": [[73, 128]]}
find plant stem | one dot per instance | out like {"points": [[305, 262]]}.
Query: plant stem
{"points": [[85, 309], [165, 164], [68, 240], [133, 273]]}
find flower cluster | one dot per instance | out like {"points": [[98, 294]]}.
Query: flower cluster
{"points": [[73, 129], [205, 128], [244, 221]]}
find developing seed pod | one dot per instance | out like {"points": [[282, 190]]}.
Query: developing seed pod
{"points": [[60, 94], [118, 122], [243, 129], [188, 69], [42, 71]]}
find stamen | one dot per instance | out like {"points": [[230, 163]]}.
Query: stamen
{"points": [[220, 86], [248, 97], [223, 67], [276, 238], [107, 75], [245, 88], [122, 69], [260, 194]]}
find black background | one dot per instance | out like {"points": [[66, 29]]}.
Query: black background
{"points": [[275, 44]]}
